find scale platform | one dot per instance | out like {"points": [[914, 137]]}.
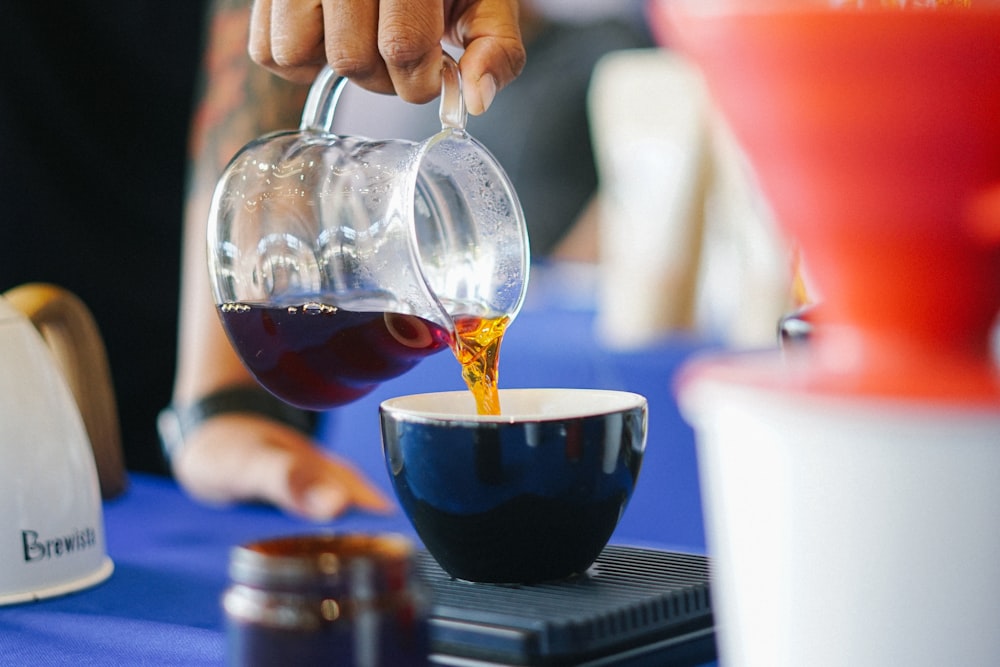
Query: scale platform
{"points": [[634, 608]]}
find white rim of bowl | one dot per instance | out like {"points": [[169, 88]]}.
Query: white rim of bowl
{"points": [[574, 404]]}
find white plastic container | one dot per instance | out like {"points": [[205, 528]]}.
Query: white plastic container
{"points": [[848, 531], [51, 517]]}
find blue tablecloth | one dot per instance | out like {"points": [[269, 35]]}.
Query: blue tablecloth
{"points": [[161, 605]]}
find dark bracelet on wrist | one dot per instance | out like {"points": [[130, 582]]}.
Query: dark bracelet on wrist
{"points": [[175, 423]]}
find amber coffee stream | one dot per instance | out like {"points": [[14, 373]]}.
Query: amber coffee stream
{"points": [[478, 350], [319, 356]]}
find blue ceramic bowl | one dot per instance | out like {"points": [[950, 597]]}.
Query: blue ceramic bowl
{"points": [[529, 496]]}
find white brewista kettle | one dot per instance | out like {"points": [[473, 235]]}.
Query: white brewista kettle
{"points": [[51, 518]]}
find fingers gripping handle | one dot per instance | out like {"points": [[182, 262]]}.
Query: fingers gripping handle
{"points": [[317, 115], [453, 113]]}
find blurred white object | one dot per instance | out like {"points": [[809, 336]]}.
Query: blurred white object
{"points": [[651, 148], [684, 240], [848, 531], [745, 268], [51, 523]]}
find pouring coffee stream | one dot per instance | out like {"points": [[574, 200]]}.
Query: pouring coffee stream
{"points": [[340, 262]]}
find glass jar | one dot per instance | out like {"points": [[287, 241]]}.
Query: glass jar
{"points": [[347, 599]]}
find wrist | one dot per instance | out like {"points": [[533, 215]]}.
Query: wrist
{"points": [[176, 423]]}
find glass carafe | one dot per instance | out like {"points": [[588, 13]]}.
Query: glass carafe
{"points": [[338, 262]]}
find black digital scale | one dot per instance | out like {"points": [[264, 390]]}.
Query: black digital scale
{"points": [[634, 608]]}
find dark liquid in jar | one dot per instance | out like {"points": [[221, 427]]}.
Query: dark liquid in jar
{"points": [[317, 356]]}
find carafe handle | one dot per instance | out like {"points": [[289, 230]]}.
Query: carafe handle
{"points": [[321, 103], [68, 328]]}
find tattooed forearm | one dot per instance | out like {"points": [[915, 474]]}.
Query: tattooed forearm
{"points": [[237, 100]]}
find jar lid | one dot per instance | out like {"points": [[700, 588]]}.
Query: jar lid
{"points": [[324, 560]]}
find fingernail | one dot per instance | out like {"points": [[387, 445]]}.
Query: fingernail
{"points": [[324, 502], [487, 90]]}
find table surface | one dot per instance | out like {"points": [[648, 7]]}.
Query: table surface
{"points": [[161, 604]]}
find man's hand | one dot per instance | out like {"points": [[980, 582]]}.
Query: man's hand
{"points": [[391, 46], [235, 457]]}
